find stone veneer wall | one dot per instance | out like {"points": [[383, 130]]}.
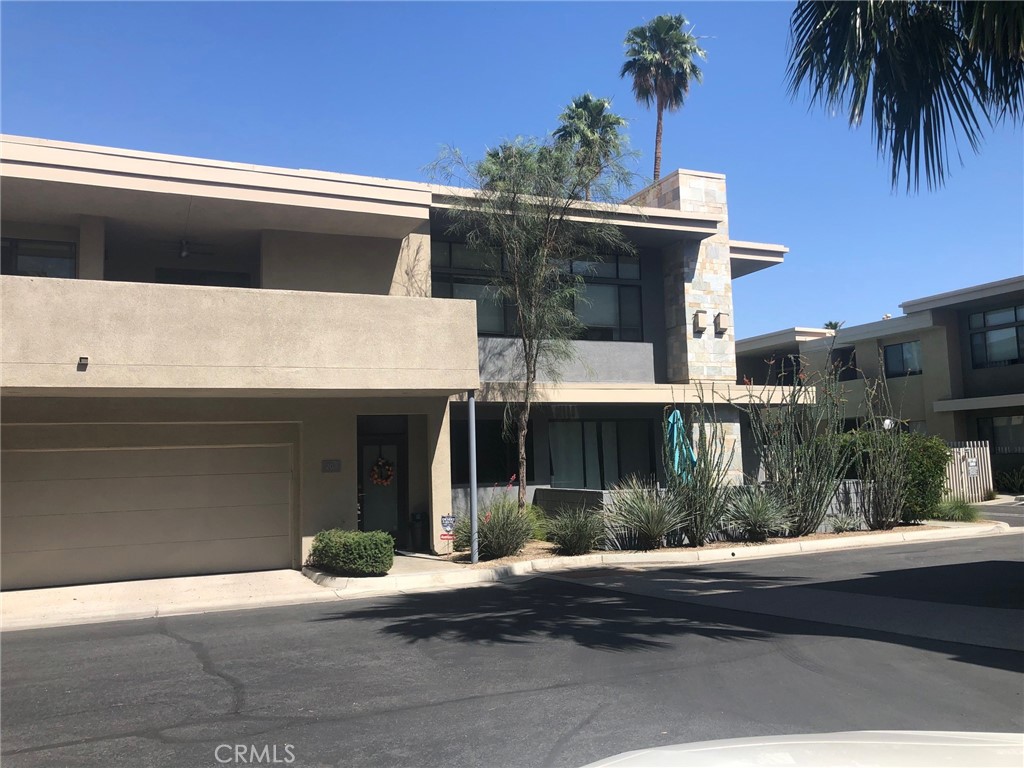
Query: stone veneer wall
{"points": [[698, 276]]}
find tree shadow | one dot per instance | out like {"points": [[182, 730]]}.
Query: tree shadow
{"points": [[536, 611]]}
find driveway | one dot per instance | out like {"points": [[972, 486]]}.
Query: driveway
{"points": [[1011, 514], [550, 671]]}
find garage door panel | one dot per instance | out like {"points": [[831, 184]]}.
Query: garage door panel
{"points": [[74, 517], [26, 570], [135, 462], [116, 494], [65, 533]]}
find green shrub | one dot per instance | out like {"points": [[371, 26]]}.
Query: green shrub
{"points": [[754, 514], [352, 553], [639, 517], [576, 531], [502, 529], [927, 457], [1010, 481], [538, 522], [955, 510], [843, 522]]}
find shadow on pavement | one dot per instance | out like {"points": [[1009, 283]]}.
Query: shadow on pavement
{"points": [[524, 613], [596, 618]]}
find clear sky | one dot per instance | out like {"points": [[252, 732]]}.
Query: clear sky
{"points": [[378, 88]]}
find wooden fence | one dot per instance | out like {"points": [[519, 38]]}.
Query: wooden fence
{"points": [[969, 473]]}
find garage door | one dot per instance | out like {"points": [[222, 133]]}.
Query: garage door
{"points": [[73, 517]]}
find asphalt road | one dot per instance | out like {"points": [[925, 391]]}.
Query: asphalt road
{"points": [[1011, 514], [553, 672]]}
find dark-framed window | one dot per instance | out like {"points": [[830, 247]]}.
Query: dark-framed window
{"points": [[497, 453], [844, 360], [38, 258], [902, 359], [1005, 434], [596, 454], [610, 307], [997, 337]]}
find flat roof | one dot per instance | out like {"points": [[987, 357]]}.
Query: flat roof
{"points": [[787, 337], [965, 295]]}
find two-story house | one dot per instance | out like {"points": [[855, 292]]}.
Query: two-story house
{"points": [[953, 364], [205, 363]]}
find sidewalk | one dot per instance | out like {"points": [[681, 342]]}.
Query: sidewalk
{"points": [[92, 603]]}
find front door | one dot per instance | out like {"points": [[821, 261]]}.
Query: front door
{"points": [[383, 470]]}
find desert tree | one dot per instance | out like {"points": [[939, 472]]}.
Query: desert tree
{"points": [[523, 204]]}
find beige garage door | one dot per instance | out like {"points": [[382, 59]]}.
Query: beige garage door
{"points": [[73, 517]]}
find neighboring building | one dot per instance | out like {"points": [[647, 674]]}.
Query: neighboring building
{"points": [[203, 361], [954, 364]]}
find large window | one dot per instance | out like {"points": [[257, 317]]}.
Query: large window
{"points": [[597, 454], [903, 359], [1004, 433], [38, 258], [997, 337], [844, 360], [497, 454], [609, 306]]}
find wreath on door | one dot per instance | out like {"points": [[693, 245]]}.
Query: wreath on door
{"points": [[382, 472]]}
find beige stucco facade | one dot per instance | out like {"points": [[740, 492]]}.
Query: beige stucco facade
{"points": [[950, 394], [203, 392]]}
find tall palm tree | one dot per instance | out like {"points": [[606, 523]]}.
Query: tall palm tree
{"points": [[833, 325], [589, 125], [660, 60], [927, 72]]}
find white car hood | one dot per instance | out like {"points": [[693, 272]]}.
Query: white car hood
{"points": [[881, 749]]}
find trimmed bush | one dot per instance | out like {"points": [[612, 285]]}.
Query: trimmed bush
{"points": [[502, 529], [927, 458], [576, 531], [641, 518], [956, 511], [352, 553], [754, 514]]}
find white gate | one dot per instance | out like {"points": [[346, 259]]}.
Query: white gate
{"points": [[969, 472]]}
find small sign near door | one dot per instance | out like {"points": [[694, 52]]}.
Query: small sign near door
{"points": [[448, 523], [447, 537], [330, 465], [972, 466]]}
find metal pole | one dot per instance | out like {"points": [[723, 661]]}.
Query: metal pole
{"points": [[474, 538]]}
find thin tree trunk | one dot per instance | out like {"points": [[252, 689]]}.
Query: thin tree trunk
{"points": [[657, 141], [524, 421]]}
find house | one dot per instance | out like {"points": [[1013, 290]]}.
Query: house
{"points": [[205, 363], [953, 363]]}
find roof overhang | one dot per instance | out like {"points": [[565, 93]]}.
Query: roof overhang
{"points": [[787, 338], [747, 257], [965, 295], [56, 182], [979, 403]]}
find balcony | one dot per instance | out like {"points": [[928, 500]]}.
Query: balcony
{"points": [[144, 338]]}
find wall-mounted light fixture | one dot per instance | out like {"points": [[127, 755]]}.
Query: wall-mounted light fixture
{"points": [[83, 363], [700, 321], [721, 323]]}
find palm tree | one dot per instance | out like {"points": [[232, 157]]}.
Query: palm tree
{"points": [[833, 325], [928, 73], [660, 60], [589, 125]]}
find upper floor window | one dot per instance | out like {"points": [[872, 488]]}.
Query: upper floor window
{"points": [[609, 306], [997, 337], [38, 258], [903, 359], [844, 360]]}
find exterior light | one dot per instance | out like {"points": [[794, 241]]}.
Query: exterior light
{"points": [[700, 321], [83, 363], [721, 323]]}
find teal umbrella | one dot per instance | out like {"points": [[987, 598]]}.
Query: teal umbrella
{"points": [[680, 451]]}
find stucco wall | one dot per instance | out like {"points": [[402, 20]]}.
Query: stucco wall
{"points": [[318, 429], [307, 261], [141, 336], [597, 361]]}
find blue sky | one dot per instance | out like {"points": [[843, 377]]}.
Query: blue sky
{"points": [[378, 88]]}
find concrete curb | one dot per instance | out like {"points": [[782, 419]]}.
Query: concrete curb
{"points": [[340, 588], [348, 588]]}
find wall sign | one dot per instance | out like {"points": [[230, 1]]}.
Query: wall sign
{"points": [[972, 466], [448, 523], [330, 465], [447, 537]]}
